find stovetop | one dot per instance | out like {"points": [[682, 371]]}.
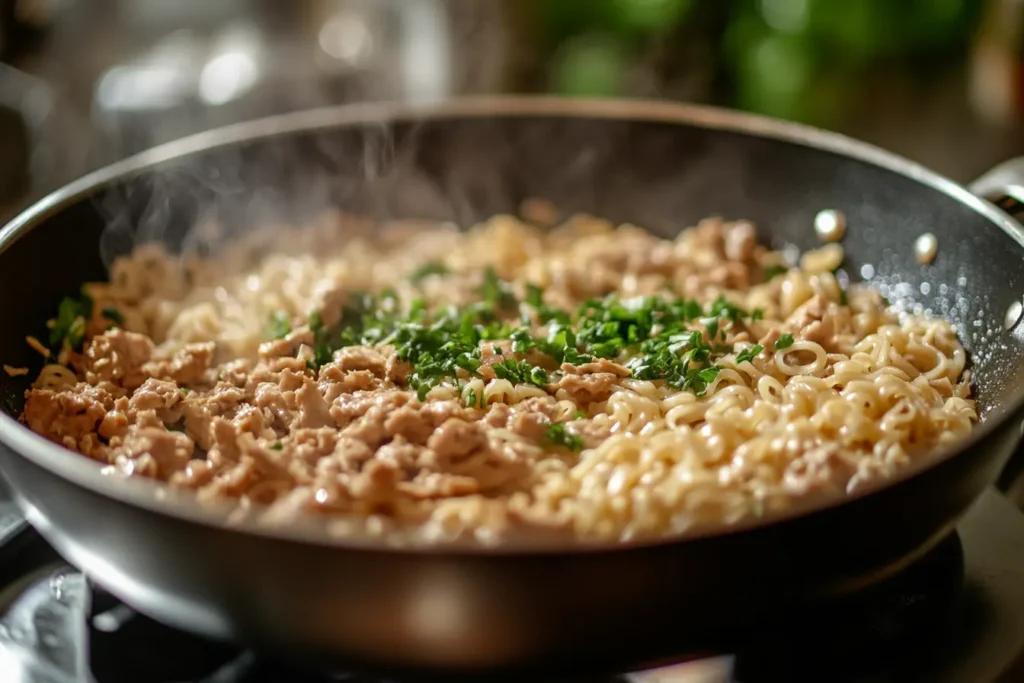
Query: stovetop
{"points": [[957, 615]]}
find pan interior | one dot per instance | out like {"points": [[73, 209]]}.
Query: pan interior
{"points": [[659, 175]]}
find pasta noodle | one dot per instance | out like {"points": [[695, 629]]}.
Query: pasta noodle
{"points": [[583, 379]]}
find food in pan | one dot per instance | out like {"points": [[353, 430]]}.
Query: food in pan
{"points": [[589, 380]]}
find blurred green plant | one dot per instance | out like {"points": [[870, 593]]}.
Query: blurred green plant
{"points": [[795, 59], [590, 65], [646, 16], [804, 59], [595, 41], [625, 19]]}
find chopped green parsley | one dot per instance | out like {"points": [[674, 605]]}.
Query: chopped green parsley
{"points": [[473, 400], [749, 353], [113, 315], [280, 326], [558, 435], [428, 269], [675, 340], [520, 372], [69, 326]]}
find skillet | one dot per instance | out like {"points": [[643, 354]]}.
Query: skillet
{"points": [[360, 603]]}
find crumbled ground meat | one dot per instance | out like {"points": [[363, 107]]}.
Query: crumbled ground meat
{"points": [[170, 451], [361, 358], [410, 424], [69, 414], [455, 439], [585, 389], [313, 409], [276, 348], [207, 404], [814, 321], [118, 356], [188, 366], [740, 242], [334, 381], [598, 365], [236, 372], [499, 352], [530, 425], [530, 419], [155, 394]]}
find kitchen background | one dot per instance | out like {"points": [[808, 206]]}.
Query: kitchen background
{"points": [[84, 82]]}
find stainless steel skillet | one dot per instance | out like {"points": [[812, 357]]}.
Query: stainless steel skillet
{"points": [[357, 602]]}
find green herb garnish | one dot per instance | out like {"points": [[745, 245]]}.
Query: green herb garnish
{"points": [[534, 295], [113, 315], [561, 345], [749, 353], [607, 326], [322, 351], [280, 326], [535, 299], [277, 446], [671, 340], [784, 342], [722, 308], [428, 269], [69, 325], [495, 291], [772, 272], [322, 355], [680, 357], [522, 342], [520, 372], [558, 435]]}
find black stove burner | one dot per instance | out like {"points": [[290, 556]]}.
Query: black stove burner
{"points": [[902, 612], [55, 628]]}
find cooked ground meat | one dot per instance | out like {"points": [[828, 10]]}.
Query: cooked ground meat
{"points": [[588, 380]]}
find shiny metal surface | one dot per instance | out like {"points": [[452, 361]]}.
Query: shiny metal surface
{"points": [[472, 109], [917, 631], [355, 601], [1004, 187], [11, 520], [1002, 183]]}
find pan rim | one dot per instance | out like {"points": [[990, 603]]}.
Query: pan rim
{"points": [[158, 498]]}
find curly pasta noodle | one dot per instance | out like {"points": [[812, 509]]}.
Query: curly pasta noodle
{"points": [[54, 376], [821, 394]]}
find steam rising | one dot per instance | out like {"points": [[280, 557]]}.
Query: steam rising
{"points": [[462, 169], [363, 50]]}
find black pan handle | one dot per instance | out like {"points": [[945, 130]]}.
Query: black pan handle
{"points": [[1003, 185]]}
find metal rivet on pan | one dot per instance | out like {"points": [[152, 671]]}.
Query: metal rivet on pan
{"points": [[830, 225], [925, 248], [1013, 314]]}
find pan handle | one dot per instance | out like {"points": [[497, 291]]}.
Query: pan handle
{"points": [[1003, 185]]}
